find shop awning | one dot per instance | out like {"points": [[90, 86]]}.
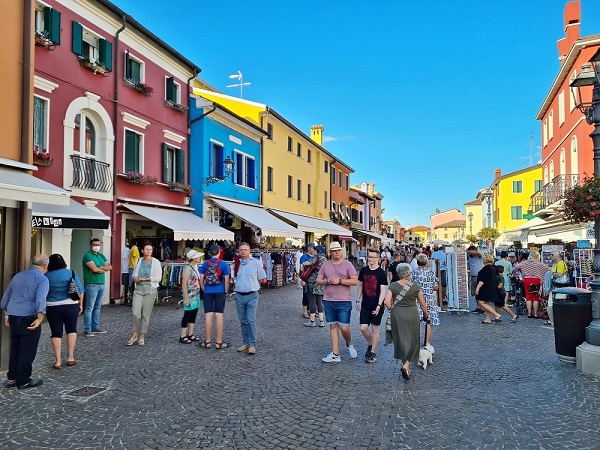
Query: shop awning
{"points": [[18, 185], [256, 215], [347, 238], [73, 215], [185, 225], [312, 224], [371, 234]]}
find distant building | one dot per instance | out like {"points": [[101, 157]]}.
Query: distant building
{"points": [[416, 235]]}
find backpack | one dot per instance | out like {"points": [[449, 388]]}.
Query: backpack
{"points": [[212, 277]]}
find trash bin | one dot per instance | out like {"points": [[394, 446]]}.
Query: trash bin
{"points": [[572, 310]]}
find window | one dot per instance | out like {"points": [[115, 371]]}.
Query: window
{"points": [[299, 150], [134, 69], [550, 125], [537, 185], [133, 151], [308, 194], [216, 160], [517, 187], [516, 212], [308, 155], [545, 133], [244, 170], [269, 179], [347, 182], [85, 142], [91, 47], [269, 131], [360, 217], [348, 212], [290, 187], [299, 190], [172, 91], [47, 23], [333, 207], [325, 203], [290, 144], [326, 167], [561, 108], [332, 175], [173, 164], [571, 96], [40, 125], [339, 178]]}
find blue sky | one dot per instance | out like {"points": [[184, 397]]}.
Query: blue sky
{"points": [[425, 101]]}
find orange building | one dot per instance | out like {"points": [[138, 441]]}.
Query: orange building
{"points": [[441, 217]]}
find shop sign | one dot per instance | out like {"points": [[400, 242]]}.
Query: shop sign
{"points": [[68, 222], [46, 222]]}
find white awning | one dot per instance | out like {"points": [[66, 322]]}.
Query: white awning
{"points": [[256, 215], [370, 234], [312, 224], [185, 225], [73, 215], [18, 185]]}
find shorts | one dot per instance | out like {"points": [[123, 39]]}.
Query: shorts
{"points": [[473, 285], [130, 277], [125, 279], [337, 312], [443, 279], [214, 303], [368, 318]]}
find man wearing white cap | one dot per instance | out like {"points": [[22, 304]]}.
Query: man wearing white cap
{"points": [[337, 275]]}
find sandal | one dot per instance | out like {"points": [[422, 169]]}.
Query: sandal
{"points": [[514, 319], [221, 345], [132, 341], [497, 320], [205, 344], [486, 323], [193, 338], [184, 340], [405, 373], [72, 362], [57, 366], [530, 316], [535, 316]]}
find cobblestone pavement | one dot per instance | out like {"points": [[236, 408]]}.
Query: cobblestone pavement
{"points": [[490, 386]]}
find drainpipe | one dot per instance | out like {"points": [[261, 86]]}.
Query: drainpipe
{"points": [[116, 240], [24, 221], [262, 159], [189, 122]]}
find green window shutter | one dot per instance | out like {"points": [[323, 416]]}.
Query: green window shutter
{"points": [[105, 53], [127, 66], [170, 95], [132, 151], [52, 21], [77, 45], [135, 71], [179, 168], [165, 168]]}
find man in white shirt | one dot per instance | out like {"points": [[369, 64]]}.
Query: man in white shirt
{"points": [[125, 273]]}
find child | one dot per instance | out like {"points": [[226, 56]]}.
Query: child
{"points": [[500, 303]]}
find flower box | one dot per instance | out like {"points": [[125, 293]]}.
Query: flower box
{"points": [[93, 66], [138, 178], [43, 159], [177, 107], [42, 41], [142, 88], [180, 187]]}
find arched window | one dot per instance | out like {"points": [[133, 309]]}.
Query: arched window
{"points": [[551, 170], [574, 157], [85, 142], [563, 162], [545, 175]]}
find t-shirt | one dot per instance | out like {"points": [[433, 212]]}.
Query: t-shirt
{"points": [[215, 288], [475, 264], [502, 290], [441, 257], [393, 267], [91, 277], [371, 280], [125, 260], [134, 255], [508, 269], [337, 292]]}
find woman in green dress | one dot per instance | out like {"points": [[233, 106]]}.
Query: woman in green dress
{"points": [[403, 321]]}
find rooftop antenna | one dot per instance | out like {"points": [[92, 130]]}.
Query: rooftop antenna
{"points": [[241, 84], [530, 157]]}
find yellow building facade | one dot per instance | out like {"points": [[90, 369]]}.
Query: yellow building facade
{"points": [[473, 217], [416, 235], [512, 196], [295, 167]]}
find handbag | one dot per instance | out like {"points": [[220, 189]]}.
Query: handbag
{"points": [[307, 271], [388, 322], [74, 293]]}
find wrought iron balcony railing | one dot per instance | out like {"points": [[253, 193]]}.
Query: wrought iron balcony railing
{"points": [[553, 191], [91, 174]]}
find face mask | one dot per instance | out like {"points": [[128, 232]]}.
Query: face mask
{"points": [[96, 248]]}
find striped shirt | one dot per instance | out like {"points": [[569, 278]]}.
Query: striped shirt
{"points": [[532, 269]]}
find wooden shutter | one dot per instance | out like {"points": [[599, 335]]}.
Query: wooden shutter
{"points": [[166, 176], [52, 24], [170, 94], [127, 66], [77, 44], [105, 53], [250, 175], [179, 166], [132, 151], [135, 70]]}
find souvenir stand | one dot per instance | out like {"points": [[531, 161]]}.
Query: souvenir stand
{"points": [[457, 275], [547, 251], [583, 256]]}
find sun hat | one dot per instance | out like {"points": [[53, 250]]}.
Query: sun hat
{"points": [[335, 246], [193, 254]]}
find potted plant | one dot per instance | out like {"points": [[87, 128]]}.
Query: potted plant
{"points": [[144, 88], [138, 178], [42, 157], [176, 106], [41, 39], [582, 202], [181, 187], [92, 66]]}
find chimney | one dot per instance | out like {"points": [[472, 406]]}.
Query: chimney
{"points": [[371, 190], [572, 22], [363, 186], [316, 134], [497, 173]]}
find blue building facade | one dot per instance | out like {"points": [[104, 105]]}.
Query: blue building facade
{"points": [[221, 139]]}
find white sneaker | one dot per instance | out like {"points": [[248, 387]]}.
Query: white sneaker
{"points": [[352, 350], [331, 358]]}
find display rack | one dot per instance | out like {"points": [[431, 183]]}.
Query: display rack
{"points": [[457, 275], [583, 266]]}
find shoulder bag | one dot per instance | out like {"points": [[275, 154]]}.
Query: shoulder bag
{"points": [[307, 271], [388, 321], [74, 293]]}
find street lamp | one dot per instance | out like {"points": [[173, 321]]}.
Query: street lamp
{"points": [[228, 165], [487, 195], [591, 110], [470, 223]]}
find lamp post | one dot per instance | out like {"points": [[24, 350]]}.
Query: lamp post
{"points": [[591, 110], [228, 165], [487, 195], [470, 216]]}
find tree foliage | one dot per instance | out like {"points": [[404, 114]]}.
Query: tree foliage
{"points": [[489, 234]]}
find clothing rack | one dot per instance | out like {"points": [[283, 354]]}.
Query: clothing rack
{"points": [[171, 277]]}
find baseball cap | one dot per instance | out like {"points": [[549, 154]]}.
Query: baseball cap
{"points": [[335, 246], [214, 248], [193, 254], [320, 248], [311, 244]]}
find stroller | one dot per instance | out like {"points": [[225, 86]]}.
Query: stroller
{"points": [[520, 300]]}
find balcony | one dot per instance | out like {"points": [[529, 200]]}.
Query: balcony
{"points": [[91, 175], [552, 192]]}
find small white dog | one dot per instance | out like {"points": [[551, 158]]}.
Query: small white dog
{"points": [[426, 356]]}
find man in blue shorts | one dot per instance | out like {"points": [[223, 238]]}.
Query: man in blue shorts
{"points": [[337, 275]]}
